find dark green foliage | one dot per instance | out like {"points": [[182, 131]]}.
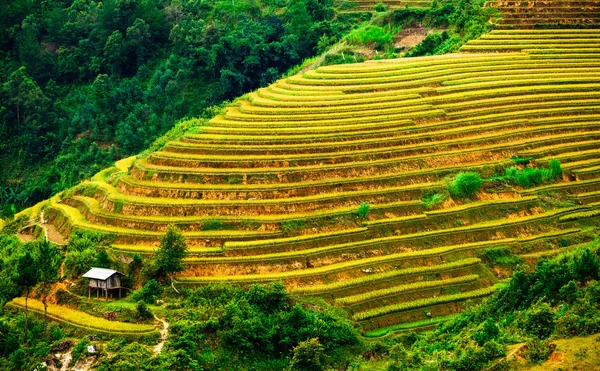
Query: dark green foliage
{"points": [[212, 225], [432, 198], [8, 339], [168, 259], [487, 333], [381, 7], [82, 85], [539, 320], [531, 177], [555, 168], [142, 311], [537, 351], [134, 356], [521, 161], [501, 256], [102, 259], [363, 210], [149, 293], [587, 267], [225, 327], [465, 184], [308, 356]]}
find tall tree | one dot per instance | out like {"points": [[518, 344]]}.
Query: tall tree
{"points": [[26, 277], [169, 256], [48, 260]]}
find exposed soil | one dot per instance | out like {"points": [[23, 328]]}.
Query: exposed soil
{"points": [[410, 37], [51, 233]]}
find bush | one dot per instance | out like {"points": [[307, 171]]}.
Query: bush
{"points": [[430, 199], [465, 184], [538, 351], [308, 356], [371, 35], [363, 210], [532, 177], [555, 168], [212, 225], [142, 311], [381, 7], [149, 293], [539, 320]]}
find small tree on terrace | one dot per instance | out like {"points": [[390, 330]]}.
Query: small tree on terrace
{"points": [[169, 256], [48, 261], [26, 277]]}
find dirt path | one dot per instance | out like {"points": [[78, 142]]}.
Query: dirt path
{"points": [[52, 234], [25, 237], [164, 333]]}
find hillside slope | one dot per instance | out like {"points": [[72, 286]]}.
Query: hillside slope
{"points": [[336, 181]]}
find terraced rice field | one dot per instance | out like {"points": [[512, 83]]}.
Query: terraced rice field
{"points": [[270, 190], [83, 320], [370, 5]]}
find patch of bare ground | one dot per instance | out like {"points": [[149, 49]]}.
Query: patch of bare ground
{"points": [[410, 37]]}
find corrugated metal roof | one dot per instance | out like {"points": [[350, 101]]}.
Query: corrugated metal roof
{"points": [[100, 273]]}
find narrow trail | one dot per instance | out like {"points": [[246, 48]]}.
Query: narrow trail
{"points": [[164, 333], [51, 233]]}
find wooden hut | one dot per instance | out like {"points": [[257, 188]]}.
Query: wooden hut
{"points": [[104, 280]]}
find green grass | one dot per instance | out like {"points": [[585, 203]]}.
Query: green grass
{"points": [[83, 320]]}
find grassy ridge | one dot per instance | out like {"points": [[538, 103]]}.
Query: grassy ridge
{"points": [[82, 319]]}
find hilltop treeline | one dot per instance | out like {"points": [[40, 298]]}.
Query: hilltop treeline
{"points": [[83, 83]]}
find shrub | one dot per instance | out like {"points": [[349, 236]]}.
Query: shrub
{"points": [[149, 293], [465, 184], [521, 161], [308, 356], [212, 225], [371, 35], [381, 7], [555, 168], [142, 311], [538, 351], [539, 320], [79, 350], [531, 177], [430, 199], [363, 210], [502, 256]]}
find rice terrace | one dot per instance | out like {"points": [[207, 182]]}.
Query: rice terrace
{"points": [[424, 209]]}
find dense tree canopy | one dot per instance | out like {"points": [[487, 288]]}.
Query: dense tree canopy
{"points": [[83, 83]]}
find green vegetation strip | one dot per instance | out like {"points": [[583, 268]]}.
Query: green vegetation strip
{"points": [[384, 276], [366, 296], [339, 267], [376, 312], [407, 326], [82, 319]]}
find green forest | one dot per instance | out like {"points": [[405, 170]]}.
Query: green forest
{"points": [[84, 83]]}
